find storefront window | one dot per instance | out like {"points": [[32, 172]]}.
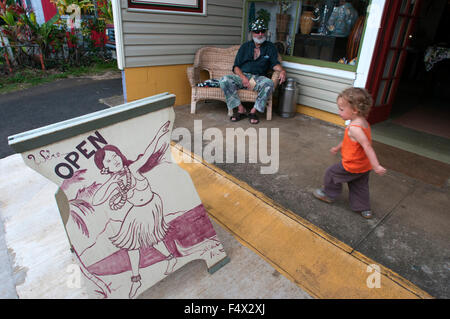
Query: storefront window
{"points": [[320, 32], [281, 18]]}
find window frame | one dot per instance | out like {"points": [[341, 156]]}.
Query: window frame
{"points": [[308, 61]]}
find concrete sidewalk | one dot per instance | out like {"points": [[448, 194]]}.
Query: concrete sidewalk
{"points": [[410, 232], [408, 238], [36, 261], [313, 261]]}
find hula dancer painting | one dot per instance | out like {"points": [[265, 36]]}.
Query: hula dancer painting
{"points": [[131, 213], [143, 225]]}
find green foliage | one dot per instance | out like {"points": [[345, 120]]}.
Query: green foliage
{"points": [[86, 6], [51, 44], [105, 9], [8, 17], [27, 77]]}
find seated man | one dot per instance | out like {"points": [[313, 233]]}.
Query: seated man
{"points": [[253, 60]]}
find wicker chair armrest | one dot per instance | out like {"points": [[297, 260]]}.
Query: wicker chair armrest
{"points": [[193, 74]]}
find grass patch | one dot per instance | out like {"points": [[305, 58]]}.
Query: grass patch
{"points": [[27, 77]]}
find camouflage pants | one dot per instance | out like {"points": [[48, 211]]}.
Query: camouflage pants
{"points": [[230, 84]]}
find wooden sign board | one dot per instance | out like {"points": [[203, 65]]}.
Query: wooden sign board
{"points": [[132, 215]]}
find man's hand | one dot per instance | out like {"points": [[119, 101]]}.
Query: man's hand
{"points": [[280, 69], [245, 81], [282, 76]]}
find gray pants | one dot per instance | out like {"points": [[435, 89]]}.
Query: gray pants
{"points": [[230, 84], [358, 186]]}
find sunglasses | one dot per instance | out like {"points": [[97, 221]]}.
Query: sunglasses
{"points": [[259, 31]]}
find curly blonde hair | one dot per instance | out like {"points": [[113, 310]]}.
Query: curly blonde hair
{"points": [[359, 99]]}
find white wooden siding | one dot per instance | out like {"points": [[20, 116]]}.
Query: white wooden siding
{"points": [[318, 90], [166, 39], [152, 39]]}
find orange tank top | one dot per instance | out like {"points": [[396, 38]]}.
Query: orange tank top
{"points": [[354, 159]]}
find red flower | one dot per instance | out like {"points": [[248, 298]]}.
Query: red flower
{"points": [[98, 38], [71, 39]]}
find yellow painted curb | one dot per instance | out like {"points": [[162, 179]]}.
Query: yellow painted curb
{"points": [[321, 115], [317, 262]]}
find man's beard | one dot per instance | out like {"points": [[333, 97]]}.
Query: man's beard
{"points": [[259, 41]]}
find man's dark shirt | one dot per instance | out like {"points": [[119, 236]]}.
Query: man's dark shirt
{"points": [[267, 59]]}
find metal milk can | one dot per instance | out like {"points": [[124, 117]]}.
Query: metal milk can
{"points": [[288, 98]]}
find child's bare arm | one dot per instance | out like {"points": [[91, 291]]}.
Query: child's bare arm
{"points": [[358, 134]]}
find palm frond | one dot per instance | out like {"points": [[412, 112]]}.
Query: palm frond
{"points": [[80, 223], [86, 193], [82, 205]]}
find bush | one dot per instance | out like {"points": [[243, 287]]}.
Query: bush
{"points": [[53, 44]]}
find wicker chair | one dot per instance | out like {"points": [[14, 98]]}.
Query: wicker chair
{"points": [[219, 62]]}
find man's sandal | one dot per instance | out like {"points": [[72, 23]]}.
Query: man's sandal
{"points": [[236, 117], [254, 117]]}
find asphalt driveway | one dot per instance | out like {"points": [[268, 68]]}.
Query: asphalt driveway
{"points": [[53, 102]]}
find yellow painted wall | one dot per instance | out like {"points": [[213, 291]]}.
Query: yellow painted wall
{"points": [[147, 81]]}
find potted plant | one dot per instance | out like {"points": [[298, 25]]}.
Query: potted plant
{"points": [[263, 14]]}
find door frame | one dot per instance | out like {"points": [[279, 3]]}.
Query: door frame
{"points": [[384, 96]]}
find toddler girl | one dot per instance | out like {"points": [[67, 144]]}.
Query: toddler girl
{"points": [[358, 156]]}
